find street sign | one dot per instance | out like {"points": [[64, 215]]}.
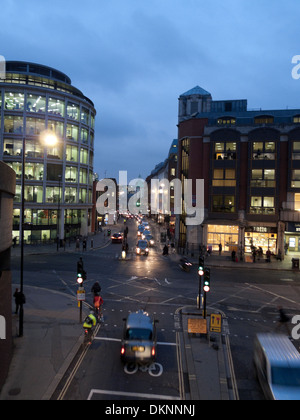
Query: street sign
{"points": [[215, 323], [197, 326], [80, 294]]}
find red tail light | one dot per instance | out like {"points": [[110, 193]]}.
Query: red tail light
{"points": [[153, 351]]}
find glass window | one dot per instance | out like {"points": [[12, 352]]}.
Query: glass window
{"points": [[85, 116], [295, 183], [71, 174], [14, 101], [73, 111], [262, 205], [56, 107], [92, 120], [224, 178], [53, 194], [225, 150], [33, 194], [35, 103], [54, 172], [57, 127], [70, 195], [264, 119], [296, 119], [72, 153], [34, 149], [264, 150], [72, 132], [83, 156], [55, 152], [226, 120], [297, 202], [83, 176], [223, 203], [13, 125], [263, 178], [92, 140], [12, 147], [82, 195], [34, 126], [84, 136]]}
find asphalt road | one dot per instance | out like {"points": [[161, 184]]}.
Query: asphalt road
{"points": [[249, 298]]}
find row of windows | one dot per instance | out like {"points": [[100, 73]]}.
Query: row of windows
{"points": [[68, 195], [35, 126], [263, 119], [258, 204], [34, 149], [46, 216], [35, 172], [16, 101]]}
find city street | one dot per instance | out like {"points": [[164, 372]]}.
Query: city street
{"points": [[155, 283]]}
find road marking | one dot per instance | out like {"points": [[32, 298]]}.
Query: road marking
{"points": [[131, 394], [118, 340]]}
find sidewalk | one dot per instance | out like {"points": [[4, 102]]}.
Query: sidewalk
{"points": [[52, 337]]}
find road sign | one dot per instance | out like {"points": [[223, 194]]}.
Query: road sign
{"points": [[80, 294], [197, 326], [215, 323]]}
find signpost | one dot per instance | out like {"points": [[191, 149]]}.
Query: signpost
{"points": [[80, 299], [215, 323]]}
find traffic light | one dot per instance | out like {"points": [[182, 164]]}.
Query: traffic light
{"points": [[201, 266], [206, 283], [79, 278]]}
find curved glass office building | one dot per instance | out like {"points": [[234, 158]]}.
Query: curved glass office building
{"points": [[35, 99]]}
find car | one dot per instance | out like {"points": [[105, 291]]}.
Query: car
{"points": [[277, 366], [146, 225], [142, 247], [141, 229], [117, 238], [149, 238], [139, 341]]}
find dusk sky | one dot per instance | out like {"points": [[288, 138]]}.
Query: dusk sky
{"points": [[134, 58]]}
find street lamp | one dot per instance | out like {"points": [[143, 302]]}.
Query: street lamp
{"points": [[49, 139]]}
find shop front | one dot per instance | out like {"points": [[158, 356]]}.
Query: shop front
{"points": [[292, 236], [226, 235], [261, 236]]}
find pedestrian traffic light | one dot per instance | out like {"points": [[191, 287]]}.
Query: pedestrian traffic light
{"points": [[201, 266], [79, 278], [206, 283]]}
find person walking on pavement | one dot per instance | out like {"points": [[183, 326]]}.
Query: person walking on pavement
{"points": [[19, 299], [220, 249]]}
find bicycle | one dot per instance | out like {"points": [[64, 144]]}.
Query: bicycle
{"points": [[99, 314]]}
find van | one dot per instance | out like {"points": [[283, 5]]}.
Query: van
{"points": [[277, 365], [139, 338]]}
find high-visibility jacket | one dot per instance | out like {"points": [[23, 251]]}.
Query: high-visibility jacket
{"points": [[90, 321]]}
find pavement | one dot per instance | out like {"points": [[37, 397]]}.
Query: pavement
{"points": [[53, 336]]}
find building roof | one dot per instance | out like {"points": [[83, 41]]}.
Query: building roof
{"points": [[197, 90]]}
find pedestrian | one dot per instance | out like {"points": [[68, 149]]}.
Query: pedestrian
{"points": [[286, 247], [268, 255], [220, 249], [96, 288], [77, 244], [84, 245], [166, 250], [283, 321], [19, 299]]}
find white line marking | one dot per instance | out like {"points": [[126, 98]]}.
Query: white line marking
{"points": [[160, 343], [130, 394]]}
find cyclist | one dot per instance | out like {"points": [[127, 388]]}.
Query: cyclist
{"points": [[88, 325], [96, 288], [98, 302]]}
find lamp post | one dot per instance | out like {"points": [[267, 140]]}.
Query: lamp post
{"points": [[49, 139], [58, 215]]}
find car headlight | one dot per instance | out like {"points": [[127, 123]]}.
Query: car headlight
{"points": [[151, 242], [138, 250], [147, 249]]}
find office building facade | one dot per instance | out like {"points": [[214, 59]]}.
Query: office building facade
{"points": [[36, 99], [250, 163]]}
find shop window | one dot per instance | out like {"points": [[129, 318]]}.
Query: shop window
{"points": [[224, 178], [226, 235], [223, 203], [263, 178]]}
